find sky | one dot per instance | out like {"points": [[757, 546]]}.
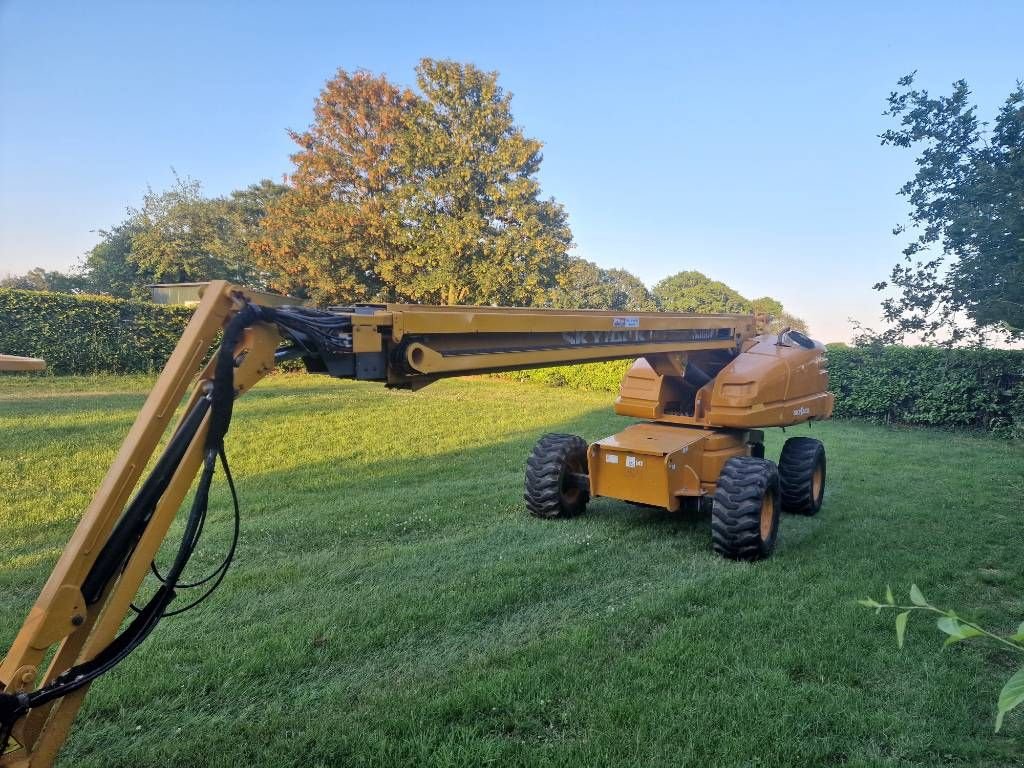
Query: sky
{"points": [[737, 139]]}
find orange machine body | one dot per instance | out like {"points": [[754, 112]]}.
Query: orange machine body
{"points": [[706, 411]]}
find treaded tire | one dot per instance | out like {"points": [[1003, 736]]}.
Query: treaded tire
{"points": [[547, 493], [802, 475], [745, 510]]}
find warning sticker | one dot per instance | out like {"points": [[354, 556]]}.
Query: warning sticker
{"points": [[611, 458], [625, 322], [12, 746]]}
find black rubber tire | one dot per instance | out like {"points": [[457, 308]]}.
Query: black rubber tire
{"points": [[744, 489], [799, 465], [546, 493]]}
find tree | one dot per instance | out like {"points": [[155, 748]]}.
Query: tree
{"points": [[476, 230], [335, 235], [695, 292], [431, 198], [779, 318], [39, 279], [584, 285], [108, 267], [631, 292], [240, 216], [766, 305], [181, 236], [784, 320], [962, 277]]}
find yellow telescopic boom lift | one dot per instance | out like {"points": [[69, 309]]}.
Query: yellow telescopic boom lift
{"points": [[702, 387]]}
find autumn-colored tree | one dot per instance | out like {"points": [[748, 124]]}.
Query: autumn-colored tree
{"points": [[429, 198], [476, 229], [336, 235]]}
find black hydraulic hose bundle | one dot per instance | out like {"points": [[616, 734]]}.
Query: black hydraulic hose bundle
{"points": [[114, 556]]}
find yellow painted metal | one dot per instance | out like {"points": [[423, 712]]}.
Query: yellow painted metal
{"points": [[449, 341], [59, 614], [767, 385], [657, 464], [417, 319], [16, 363]]}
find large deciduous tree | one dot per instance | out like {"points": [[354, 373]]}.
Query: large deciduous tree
{"points": [[181, 236], [39, 279], [962, 276], [429, 197], [693, 291], [696, 292], [584, 285], [336, 235], [476, 229]]}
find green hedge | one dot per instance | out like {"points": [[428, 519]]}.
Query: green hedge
{"points": [[597, 377], [979, 389], [959, 388], [89, 334]]}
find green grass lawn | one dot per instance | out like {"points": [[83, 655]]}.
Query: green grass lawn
{"points": [[393, 604]]}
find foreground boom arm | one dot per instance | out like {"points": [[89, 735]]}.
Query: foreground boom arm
{"points": [[90, 591]]}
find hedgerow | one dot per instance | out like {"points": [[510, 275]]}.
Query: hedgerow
{"points": [[959, 388], [89, 334]]}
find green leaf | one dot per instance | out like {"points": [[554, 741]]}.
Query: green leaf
{"points": [[916, 597], [1011, 695], [1019, 637], [869, 603], [888, 595], [901, 628], [956, 630]]}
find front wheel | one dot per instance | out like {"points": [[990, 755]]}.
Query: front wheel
{"points": [[802, 475], [745, 510], [553, 473]]}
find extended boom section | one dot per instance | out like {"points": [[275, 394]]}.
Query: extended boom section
{"points": [[408, 345], [702, 387]]}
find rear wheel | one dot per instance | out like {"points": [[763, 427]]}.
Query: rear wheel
{"points": [[745, 511], [802, 475], [552, 477]]}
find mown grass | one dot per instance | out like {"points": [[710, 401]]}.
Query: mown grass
{"points": [[392, 604]]}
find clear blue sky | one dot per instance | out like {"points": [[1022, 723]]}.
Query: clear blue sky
{"points": [[737, 139]]}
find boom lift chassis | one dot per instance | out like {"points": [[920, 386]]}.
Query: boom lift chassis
{"points": [[704, 385]]}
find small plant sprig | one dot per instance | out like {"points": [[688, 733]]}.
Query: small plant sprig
{"points": [[957, 629]]}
